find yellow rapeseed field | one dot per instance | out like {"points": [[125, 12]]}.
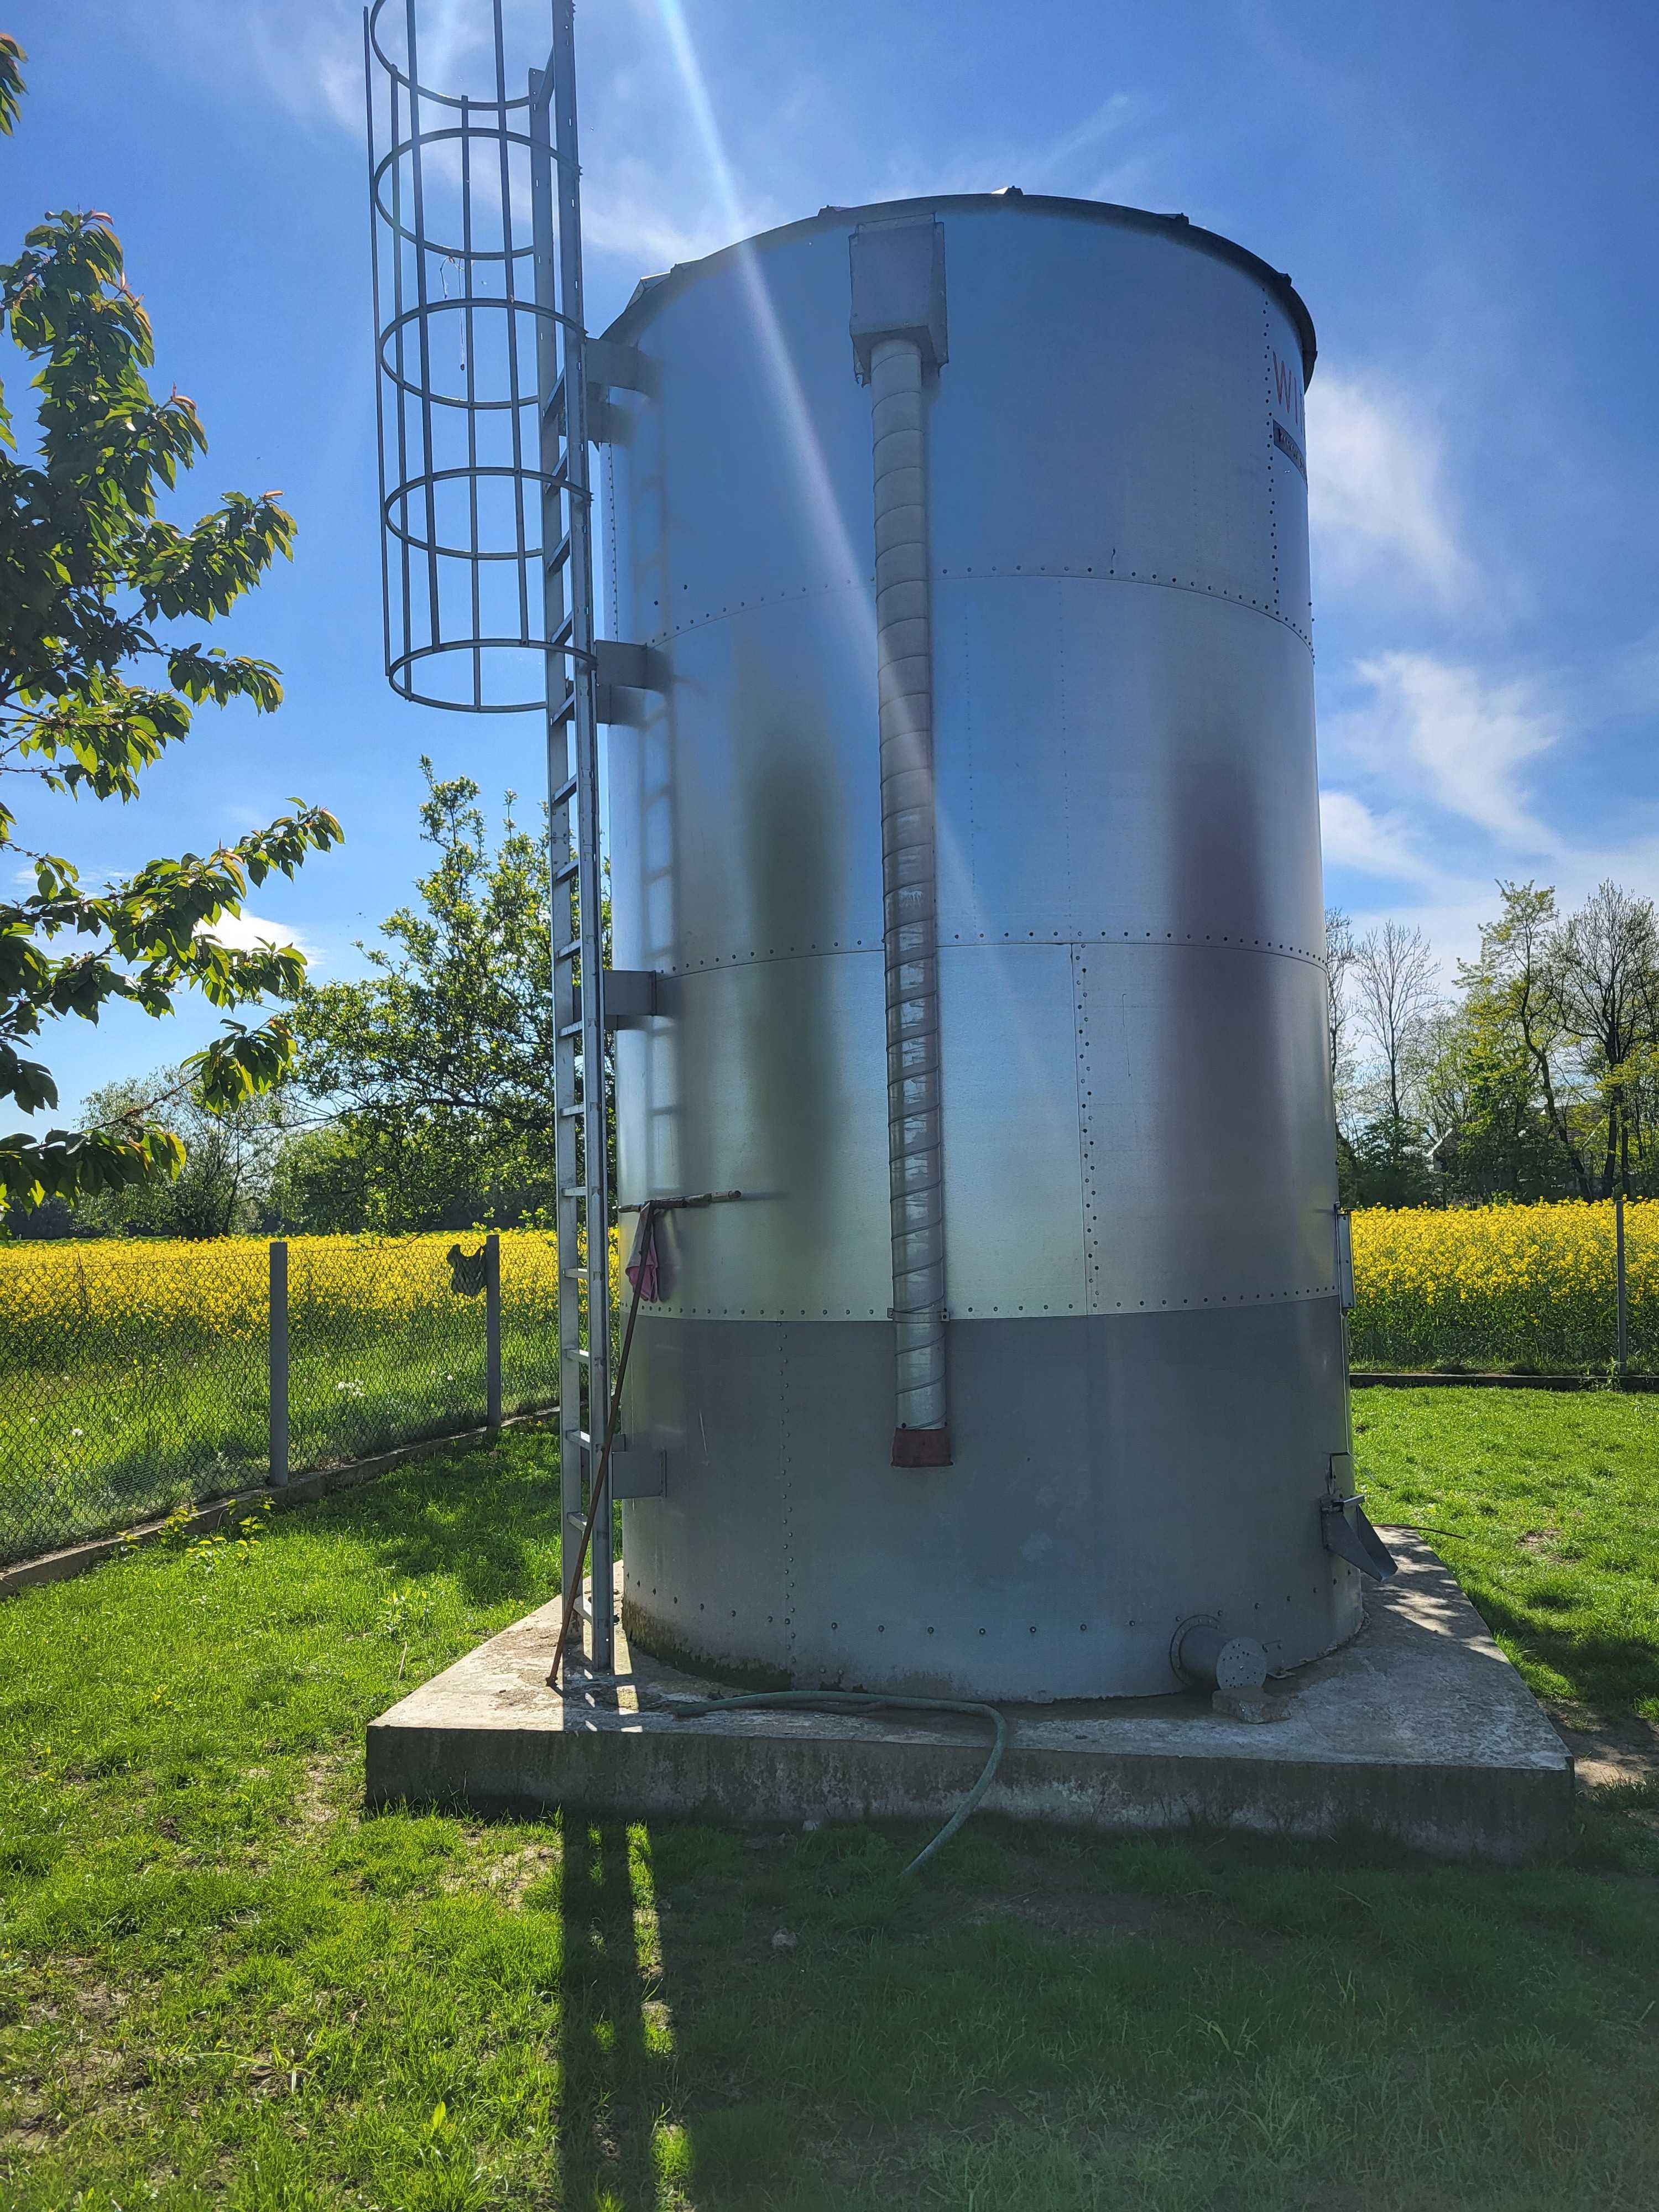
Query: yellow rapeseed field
{"points": [[133, 1374], [1502, 1285], [143, 1291]]}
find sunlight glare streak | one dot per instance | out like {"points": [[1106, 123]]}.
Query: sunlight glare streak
{"points": [[816, 488]]}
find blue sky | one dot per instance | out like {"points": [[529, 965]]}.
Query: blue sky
{"points": [[1466, 195]]}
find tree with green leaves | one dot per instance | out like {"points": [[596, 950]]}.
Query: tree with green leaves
{"points": [[438, 1064], [224, 1186], [93, 690]]}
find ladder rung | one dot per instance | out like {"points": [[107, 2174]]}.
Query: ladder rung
{"points": [[571, 1029], [574, 1274], [577, 1190], [566, 790], [567, 952], [562, 875], [564, 632], [571, 1113]]}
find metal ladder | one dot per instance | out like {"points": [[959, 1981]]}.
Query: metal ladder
{"points": [[574, 863]]}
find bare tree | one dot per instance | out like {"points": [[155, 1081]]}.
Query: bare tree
{"points": [[1338, 959], [1604, 974], [1394, 970]]}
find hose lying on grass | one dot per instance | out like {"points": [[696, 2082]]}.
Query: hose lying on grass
{"points": [[862, 1701]]}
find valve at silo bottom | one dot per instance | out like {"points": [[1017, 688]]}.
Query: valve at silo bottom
{"points": [[1203, 1654]]}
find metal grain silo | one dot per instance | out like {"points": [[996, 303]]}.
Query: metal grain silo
{"points": [[965, 805]]}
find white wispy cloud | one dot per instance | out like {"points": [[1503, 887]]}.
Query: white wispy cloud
{"points": [[246, 932], [305, 55], [1459, 738], [1355, 836], [1378, 505]]}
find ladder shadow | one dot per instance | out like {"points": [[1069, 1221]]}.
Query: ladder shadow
{"points": [[612, 2085]]}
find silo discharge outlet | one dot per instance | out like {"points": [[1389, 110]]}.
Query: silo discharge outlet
{"points": [[1204, 1655], [1345, 1530]]}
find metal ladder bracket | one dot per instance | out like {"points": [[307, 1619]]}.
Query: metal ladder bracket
{"points": [[631, 997], [607, 423], [615, 368], [636, 1471], [621, 672]]}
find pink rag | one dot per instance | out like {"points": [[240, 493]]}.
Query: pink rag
{"points": [[642, 1268]]}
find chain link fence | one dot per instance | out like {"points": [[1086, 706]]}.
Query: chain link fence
{"points": [[136, 1375]]}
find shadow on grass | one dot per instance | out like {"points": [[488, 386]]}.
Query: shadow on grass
{"points": [[655, 2097], [1608, 1673], [606, 2113]]}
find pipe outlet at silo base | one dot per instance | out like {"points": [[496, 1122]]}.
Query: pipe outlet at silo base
{"points": [[1121, 1140]]}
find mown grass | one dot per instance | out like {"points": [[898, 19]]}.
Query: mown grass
{"points": [[223, 1985], [1547, 1507]]}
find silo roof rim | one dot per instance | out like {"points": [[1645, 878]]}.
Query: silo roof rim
{"points": [[654, 291]]}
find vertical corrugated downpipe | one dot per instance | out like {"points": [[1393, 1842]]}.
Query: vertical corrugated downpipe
{"points": [[922, 1435]]}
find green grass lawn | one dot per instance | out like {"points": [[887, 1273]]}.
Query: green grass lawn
{"points": [[1547, 1508], [221, 1984]]}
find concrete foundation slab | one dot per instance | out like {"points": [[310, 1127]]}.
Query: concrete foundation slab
{"points": [[1420, 1729]]}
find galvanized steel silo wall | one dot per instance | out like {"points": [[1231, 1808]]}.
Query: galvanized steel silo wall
{"points": [[1145, 1369]]}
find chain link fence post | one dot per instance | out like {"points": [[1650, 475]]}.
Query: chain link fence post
{"points": [[493, 1332], [278, 1452]]}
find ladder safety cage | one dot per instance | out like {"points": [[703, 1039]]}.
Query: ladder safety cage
{"points": [[487, 560]]}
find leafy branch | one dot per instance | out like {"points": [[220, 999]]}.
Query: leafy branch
{"points": [[92, 695]]}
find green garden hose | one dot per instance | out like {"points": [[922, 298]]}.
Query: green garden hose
{"points": [[862, 1701]]}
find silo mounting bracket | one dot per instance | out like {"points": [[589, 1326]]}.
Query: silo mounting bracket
{"points": [[631, 997], [635, 1470], [612, 367], [622, 670]]}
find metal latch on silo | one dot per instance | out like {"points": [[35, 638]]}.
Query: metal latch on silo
{"points": [[620, 673]]}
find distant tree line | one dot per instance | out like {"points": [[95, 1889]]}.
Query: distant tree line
{"points": [[1535, 1075]]}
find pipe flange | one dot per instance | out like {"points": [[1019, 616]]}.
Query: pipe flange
{"points": [[1203, 1654]]}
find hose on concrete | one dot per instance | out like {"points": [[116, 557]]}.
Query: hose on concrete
{"points": [[865, 1701]]}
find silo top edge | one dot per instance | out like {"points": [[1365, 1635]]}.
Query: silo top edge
{"points": [[652, 292]]}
